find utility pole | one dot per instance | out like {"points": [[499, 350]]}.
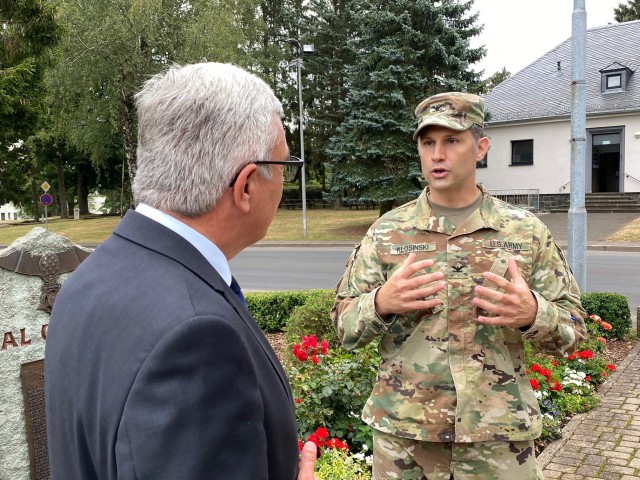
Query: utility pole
{"points": [[577, 226], [299, 51]]}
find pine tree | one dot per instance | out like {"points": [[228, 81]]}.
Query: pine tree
{"points": [[628, 12], [405, 51]]}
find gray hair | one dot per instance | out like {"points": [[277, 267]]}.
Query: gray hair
{"points": [[198, 125], [477, 132]]}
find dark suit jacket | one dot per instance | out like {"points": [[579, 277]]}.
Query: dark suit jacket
{"points": [[155, 370]]}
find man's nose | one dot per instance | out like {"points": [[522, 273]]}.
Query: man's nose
{"points": [[438, 152]]}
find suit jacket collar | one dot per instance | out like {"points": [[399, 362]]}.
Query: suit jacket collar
{"points": [[151, 235]]}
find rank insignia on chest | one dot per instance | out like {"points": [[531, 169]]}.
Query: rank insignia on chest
{"points": [[412, 247], [505, 245]]}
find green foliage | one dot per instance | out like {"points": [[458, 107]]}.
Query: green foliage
{"points": [[494, 80], [403, 52], [565, 387], [29, 31], [613, 308], [292, 191], [336, 464], [312, 317], [330, 390], [273, 309], [628, 12]]}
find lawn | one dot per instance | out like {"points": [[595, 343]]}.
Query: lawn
{"points": [[629, 233], [322, 224]]}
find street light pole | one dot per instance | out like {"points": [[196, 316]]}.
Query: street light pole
{"points": [[296, 44]]}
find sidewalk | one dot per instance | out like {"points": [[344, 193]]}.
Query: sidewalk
{"points": [[605, 442]]}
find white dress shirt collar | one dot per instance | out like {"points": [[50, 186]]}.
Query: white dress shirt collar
{"points": [[205, 246]]}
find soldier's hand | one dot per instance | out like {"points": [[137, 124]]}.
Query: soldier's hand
{"points": [[405, 291], [514, 308]]}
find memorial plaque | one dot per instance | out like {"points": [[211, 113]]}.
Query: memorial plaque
{"points": [[33, 391]]}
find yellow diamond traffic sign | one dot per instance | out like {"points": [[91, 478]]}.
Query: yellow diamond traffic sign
{"points": [[45, 186]]}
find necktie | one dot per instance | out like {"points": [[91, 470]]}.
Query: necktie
{"points": [[238, 291]]}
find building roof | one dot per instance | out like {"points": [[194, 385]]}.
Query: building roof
{"points": [[543, 89]]}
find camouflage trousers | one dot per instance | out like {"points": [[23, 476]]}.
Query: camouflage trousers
{"points": [[405, 459]]}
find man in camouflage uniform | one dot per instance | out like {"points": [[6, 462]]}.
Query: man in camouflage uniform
{"points": [[453, 283]]}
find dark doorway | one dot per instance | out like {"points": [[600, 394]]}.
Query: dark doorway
{"points": [[605, 162]]}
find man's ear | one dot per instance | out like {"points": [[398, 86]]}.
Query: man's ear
{"points": [[482, 147], [244, 187]]}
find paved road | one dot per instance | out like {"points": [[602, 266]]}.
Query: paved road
{"points": [[294, 268]]}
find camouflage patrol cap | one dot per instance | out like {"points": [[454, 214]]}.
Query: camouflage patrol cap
{"points": [[454, 110]]}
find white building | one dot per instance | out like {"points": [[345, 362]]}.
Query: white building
{"points": [[8, 212], [530, 118]]}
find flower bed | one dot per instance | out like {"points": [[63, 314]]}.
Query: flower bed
{"points": [[331, 385]]}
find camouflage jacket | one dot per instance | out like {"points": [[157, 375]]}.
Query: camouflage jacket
{"points": [[443, 377]]}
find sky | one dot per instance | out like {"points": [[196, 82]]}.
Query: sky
{"points": [[517, 32]]}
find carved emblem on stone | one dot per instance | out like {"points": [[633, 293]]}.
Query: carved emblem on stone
{"points": [[32, 256], [50, 270]]}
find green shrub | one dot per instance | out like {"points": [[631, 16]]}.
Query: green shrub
{"points": [[613, 308], [337, 464], [273, 309], [292, 192], [312, 317]]}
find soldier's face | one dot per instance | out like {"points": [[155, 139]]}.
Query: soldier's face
{"points": [[448, 159]]}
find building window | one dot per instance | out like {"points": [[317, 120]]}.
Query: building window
{"points": [[614, 78], [614, 81], [483, 163], [522, 152]]}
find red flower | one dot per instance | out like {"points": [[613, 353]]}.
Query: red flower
{"points": [[573, 356], [324, 347], [588, 378], [554, 363], [299, 353], [606, 326], [555, 386], [536, 368], [534, 384], [314, 359], [545, 373], [298, 400], [309, 342], [337, 443], [322, 433], [610, 367], [300, 445], [585, 354]]}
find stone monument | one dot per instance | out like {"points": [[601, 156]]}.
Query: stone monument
{"points": [[32, 270]]}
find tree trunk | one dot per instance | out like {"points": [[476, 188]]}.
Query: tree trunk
{"points": [[83, 194], [128, 112], [112, 202], [385, 207], [62, 194]]}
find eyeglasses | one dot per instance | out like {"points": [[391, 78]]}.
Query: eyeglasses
{"points": [[290, 172]]}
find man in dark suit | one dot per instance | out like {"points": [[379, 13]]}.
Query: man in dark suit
{"points": [[154, 367]]}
